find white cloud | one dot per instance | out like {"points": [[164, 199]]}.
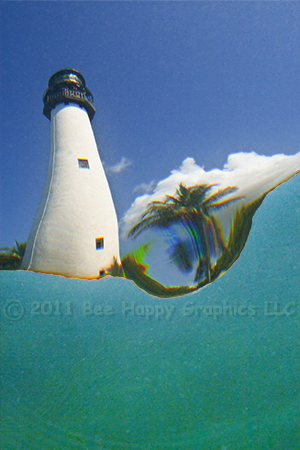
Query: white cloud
{"points": [[251, 173], [121, 165], [145, 187]]}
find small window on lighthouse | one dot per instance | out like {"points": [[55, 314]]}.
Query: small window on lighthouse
{"points": [[83, 163], [99, 243]]}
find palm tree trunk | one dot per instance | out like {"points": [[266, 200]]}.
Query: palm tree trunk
{"points": [[199, 223], [196, 228]]}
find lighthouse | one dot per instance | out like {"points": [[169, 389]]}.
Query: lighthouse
{"points": [[75, 231]]}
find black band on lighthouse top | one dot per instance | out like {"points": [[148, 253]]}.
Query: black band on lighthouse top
{"points": [[68, 86]]}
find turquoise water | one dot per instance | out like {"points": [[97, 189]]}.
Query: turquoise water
{"points": [[78, 376]]}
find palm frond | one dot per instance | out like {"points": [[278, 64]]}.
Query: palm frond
{"points": [[155, 217], [220, 193], [226, 203]]}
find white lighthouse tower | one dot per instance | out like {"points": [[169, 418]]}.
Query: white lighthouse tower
{"points": [[75, 231]]}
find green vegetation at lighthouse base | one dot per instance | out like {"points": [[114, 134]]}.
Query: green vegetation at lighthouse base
{"points": [[11, 258]]}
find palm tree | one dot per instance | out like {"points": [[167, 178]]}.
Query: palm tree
{"points": [[193, 208]]}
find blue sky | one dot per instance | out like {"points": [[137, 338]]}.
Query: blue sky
{"points": [[171, 80]]}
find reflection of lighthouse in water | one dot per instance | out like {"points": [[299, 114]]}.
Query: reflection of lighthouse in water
{"points": [[75, 231]]}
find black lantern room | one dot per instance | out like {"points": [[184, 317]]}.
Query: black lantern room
{"points": [[68, 86]]}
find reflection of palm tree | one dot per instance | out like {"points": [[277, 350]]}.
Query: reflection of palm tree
{"points": [[193, 208]]}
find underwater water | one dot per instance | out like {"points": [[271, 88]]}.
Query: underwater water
{"points": [[104, 365]]}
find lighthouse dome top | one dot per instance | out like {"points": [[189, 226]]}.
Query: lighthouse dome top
{"points": [[68, 86], [67, 76]]}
